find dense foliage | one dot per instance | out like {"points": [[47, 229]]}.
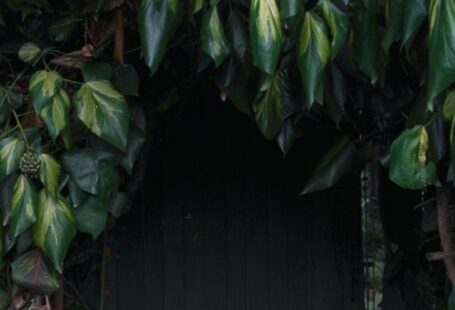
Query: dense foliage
{"points": [[381, 71]]}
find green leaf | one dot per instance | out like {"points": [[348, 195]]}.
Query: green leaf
{"points": [[126, 80], [337, 162], [49, 173], [237, 35], [136, 140], [415, 13], [118, 205], [366, 49], [5, 300], [265, 34], [55, 228], [158, 21], [24, 206], [92, 71], [289, 133], [409, 167], [441, 46], [196, 6], [55, 113], [273, 106], [313, 53], [90, 171], [11, 150], [43, 86], [290, 8], [394, 15], [29, 52], [91, 216], [77, 196], [214, 41], [32, 272], [337, 21], [104, 111]]}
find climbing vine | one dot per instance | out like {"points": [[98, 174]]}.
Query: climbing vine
{"points": [[77, 76]]}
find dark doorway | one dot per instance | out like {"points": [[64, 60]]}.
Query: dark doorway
{"points": [[220, 225]]}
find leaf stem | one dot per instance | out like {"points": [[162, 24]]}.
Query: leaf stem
{"points": [[21, 129], [73, 82]]}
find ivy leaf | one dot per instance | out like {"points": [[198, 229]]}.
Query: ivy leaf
{"points": [[49, 173], [441, 46], [55, 113], [91, 216], [290, 8], [237, 35], [415, 13], [136, 140], [214, 41], [334, 165], [55, 228], [196, 6], [32, 272], [365, 43], [337, 21], [118, 205], [10, 99], [24, 206], [265, 34], [43, 86], [90, 171], [273, 106], [29, 52], [448, 108], [11, 150], [104, 111], [394, 15], [289, 133], [313, 53], [158, 21], [408, 162]]}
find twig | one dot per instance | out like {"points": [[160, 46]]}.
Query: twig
{"points": [[18, 121], [434, 256]]}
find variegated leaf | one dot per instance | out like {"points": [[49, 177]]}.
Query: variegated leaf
{"points": [[214, 41], [313, 52], [24, 206], [265, 34], [43, 86], [104, 111], [55, 228], [55, 113], [337, 20], [49, 173], [11, 150]]}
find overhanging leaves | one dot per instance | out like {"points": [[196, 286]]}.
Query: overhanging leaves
{"points": [[409, 167], [55, 228], [334, 165], [265, 34], [104, 111]]}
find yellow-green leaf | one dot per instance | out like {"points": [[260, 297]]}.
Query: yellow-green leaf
{"points": [[265, 34], [214, 41], [409, 167], [11, 150], [24, 206], [29, 52], [49, 173], [104, 111], [337, 21], [55, 228], [55, 113], [313, 53], [43, 86]]}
